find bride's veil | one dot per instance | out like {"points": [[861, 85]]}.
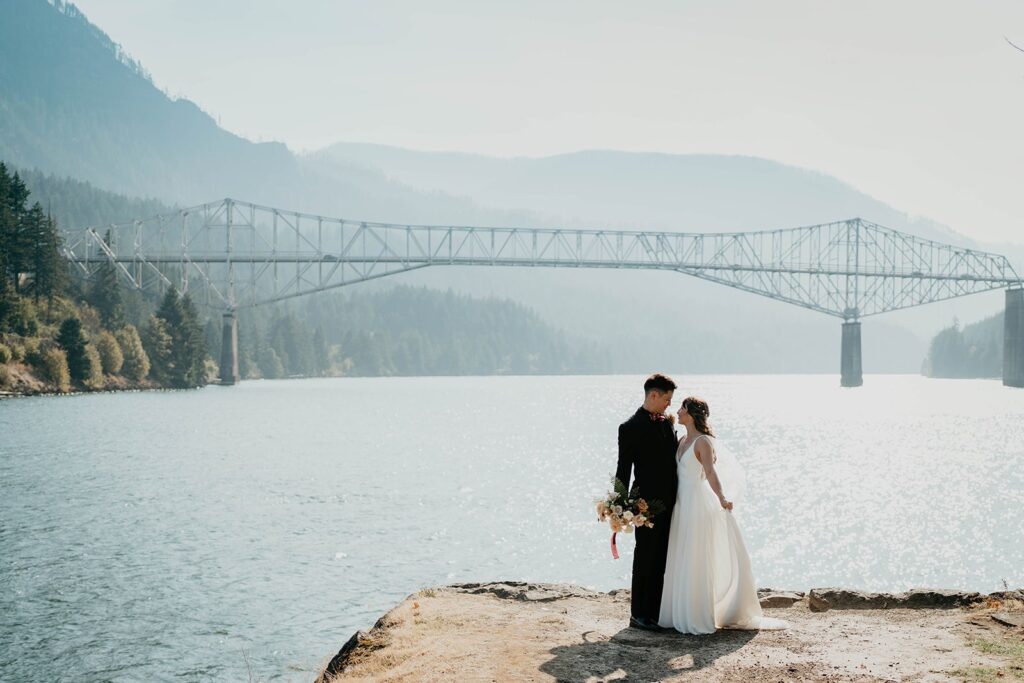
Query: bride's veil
{"points": [[731, 474]]}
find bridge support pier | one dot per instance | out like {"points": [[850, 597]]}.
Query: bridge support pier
{"points": [[229, 350], [1013, 339], [849, 363]]}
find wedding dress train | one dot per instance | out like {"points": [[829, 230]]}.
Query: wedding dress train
{"points": [[708, 580]]}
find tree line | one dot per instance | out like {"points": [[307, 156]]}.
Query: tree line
{"points": [[83, 332], [975, 350], [404, 330]]}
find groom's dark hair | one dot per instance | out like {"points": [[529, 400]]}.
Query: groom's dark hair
{"points": [[659, 382]]}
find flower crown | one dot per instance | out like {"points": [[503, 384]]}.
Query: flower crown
{"points": [[696, 408]]}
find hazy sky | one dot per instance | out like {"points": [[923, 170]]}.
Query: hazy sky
{"points": [[919, 103]]}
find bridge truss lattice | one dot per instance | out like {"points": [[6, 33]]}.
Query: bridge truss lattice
{"points": [[244, 254]]}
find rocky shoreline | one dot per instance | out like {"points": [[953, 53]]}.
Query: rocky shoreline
{"points": [[553, 632]]}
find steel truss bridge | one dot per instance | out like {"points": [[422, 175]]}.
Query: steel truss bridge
{"points": [[243, 254]]}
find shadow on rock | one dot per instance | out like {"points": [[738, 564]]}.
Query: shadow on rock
{"points": [[640, 655]]}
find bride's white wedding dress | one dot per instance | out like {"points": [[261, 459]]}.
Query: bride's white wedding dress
{"points": [[708, 580]]}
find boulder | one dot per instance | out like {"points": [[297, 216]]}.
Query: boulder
{"points": [[823, 599], [525, 591], [937, 598], [780, 599]]}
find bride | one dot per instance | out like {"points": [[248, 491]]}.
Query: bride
{"points": [[708, 581]]}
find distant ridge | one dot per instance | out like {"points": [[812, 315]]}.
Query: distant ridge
{"points": [[686, 192], [73, 104]]}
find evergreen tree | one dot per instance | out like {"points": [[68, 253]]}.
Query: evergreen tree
{"points": [[73, 341], [6, 235], [192, 341], [187, 362], [20, 235], [105, 292], [157, 344], [48, 266]]}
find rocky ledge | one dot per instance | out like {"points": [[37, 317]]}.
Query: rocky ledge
{"points": [[552, 632]]}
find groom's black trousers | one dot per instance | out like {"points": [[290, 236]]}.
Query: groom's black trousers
{"points": [[649, 559]]}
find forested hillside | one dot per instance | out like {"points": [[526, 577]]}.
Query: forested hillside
{"points": [[76, 204], [974, 350], [73, 104], [61, 331], [406, 331]]}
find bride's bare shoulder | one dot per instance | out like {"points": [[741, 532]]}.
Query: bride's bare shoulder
{"points": [[703, 446]]}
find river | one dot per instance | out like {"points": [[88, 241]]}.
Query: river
{"points": [[204, 535]]}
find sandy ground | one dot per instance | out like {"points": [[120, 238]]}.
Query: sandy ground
{"points": [[561, 633]]}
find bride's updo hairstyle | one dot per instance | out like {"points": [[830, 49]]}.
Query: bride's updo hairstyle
{"points": [[699, 411]]}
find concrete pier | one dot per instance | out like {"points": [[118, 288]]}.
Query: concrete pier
{"points": [[1013, 339], [229, 350], [850, 361]]}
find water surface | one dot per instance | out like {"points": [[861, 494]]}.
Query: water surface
{"points": [[175, 535]]}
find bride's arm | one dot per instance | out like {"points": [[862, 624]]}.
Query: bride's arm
{"points": [[706, 456]]}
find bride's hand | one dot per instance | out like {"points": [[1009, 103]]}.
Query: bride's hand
{"points": [[726, 505]]}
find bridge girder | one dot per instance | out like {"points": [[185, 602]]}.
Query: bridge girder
{"points": [[246, 254]]}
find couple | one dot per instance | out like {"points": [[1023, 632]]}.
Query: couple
{"points": [[691, 571]]}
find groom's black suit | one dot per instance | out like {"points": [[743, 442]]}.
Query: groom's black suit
{"points": [[647, 447]]}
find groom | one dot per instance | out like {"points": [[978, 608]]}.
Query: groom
{"points": [[647, 447]]}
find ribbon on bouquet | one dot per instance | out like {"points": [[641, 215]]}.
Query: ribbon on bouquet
{"points": [[615, 550]]}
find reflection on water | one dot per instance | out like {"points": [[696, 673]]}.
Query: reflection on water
{"points": [[172, 535]]}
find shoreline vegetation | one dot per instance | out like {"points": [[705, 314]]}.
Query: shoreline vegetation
{"points": [[119, 338], [130, 340], [557, 632]]}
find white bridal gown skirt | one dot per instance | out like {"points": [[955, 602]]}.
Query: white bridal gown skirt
{"points": [[708, 580]]}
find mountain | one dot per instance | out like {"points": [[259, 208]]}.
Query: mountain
{"points": [[672, 192], [73, 104], [77, 203], [692, 193]]}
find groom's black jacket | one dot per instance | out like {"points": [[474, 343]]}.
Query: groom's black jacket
{"points": [[648, 448]]}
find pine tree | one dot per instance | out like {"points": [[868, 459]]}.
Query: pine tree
{"points": [[186, 366], [48, 269], [105, 292], [192, 344], [73, 341], [19, 237], [157, 344], [6, 234]]}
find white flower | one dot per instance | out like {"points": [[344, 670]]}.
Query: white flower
{"points": [[627, 516], [639, 520]]}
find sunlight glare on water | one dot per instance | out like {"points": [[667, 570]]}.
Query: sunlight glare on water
{"points": [[164, 534]]}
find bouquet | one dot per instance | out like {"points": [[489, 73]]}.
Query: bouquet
{"points": [[626, 510]]}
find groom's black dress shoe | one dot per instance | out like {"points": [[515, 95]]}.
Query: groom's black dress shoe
{"points": [[644, 624]]}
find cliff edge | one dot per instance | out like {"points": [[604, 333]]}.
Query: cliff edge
{"points": [[514, 631]]}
